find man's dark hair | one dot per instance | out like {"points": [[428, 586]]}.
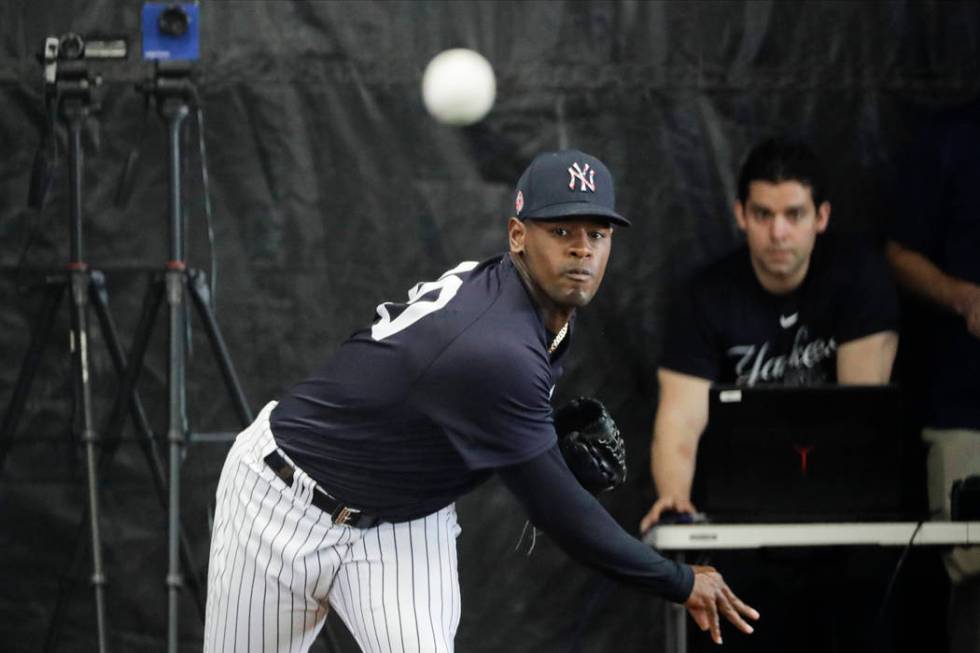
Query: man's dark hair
{"points": [[775, 160]]}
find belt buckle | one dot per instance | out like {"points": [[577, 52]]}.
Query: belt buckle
{"points": [[344, 515]]}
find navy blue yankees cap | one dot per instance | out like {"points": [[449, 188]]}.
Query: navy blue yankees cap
{"points": [[566, 184]]}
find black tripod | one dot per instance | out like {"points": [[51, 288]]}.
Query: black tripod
{"points": [[174, 93], [69, 97]]}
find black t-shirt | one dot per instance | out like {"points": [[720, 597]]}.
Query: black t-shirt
{"points": [[727, 328], [416, 410], [938, 215]]}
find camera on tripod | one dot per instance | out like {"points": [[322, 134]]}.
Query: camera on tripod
{"points": [[72, 46], [64, 56], [67, 78], [171, 31]]}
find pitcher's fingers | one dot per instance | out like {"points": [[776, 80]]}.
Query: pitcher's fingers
{"points": [[715, 622], [727, 609], [740, 605], [701, 619]]}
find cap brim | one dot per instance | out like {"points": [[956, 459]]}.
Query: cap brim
{"points": [[576, 210]]}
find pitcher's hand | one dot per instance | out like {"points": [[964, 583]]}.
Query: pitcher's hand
{"points": [[710, 598]]}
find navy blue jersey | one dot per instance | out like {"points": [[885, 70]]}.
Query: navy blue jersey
{"points": [[417, 409]]}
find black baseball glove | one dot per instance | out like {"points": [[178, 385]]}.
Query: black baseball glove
{"points": [[590, 443]]}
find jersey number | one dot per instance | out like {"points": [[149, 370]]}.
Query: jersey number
{"points": [[447, 285]]}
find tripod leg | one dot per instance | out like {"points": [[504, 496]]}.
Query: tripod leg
{"points": [[154, 459], [197, 284], [84, 425], [99, 297], [41, 333], [151, 305], [176, 437]]}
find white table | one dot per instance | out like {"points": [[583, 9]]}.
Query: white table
{"points": [[697, 537], [679, 538]]}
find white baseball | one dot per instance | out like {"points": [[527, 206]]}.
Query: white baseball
{"points": [[459, 87]]}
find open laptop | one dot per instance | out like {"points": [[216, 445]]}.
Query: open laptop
{"points": [[806, 454]]}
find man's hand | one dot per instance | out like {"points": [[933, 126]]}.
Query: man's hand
{"points": [[710, 598], [665, 503]]}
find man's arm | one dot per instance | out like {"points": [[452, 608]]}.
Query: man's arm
{"points": [[682, 415], [923, 277], [867, 360]]}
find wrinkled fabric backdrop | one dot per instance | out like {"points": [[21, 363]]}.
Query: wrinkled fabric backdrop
{"points": [[332, 190]]}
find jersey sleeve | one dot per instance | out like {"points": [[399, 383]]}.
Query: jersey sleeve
{"points": [[870, 303], [692, 345], [491, 395], [558, 504]]}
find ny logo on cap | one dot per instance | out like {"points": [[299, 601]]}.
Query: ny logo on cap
{"points": [[577, 172]]}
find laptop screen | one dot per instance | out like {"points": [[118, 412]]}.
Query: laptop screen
{"points": [[803, 454]]}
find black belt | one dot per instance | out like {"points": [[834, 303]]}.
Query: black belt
{"points": [[339, 513]]}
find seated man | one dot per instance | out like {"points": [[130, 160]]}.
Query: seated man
{"points": [[788, 308]]}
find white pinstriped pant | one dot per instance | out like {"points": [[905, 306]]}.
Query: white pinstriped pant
{"points": [[277, 564]]}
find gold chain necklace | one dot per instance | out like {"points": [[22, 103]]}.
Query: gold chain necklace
{"points": [[558, 338]]}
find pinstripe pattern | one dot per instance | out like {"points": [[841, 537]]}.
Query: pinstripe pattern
{"points": [[277, 565]]}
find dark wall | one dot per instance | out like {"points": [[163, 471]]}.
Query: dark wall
{"points": [[332, 190]]}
